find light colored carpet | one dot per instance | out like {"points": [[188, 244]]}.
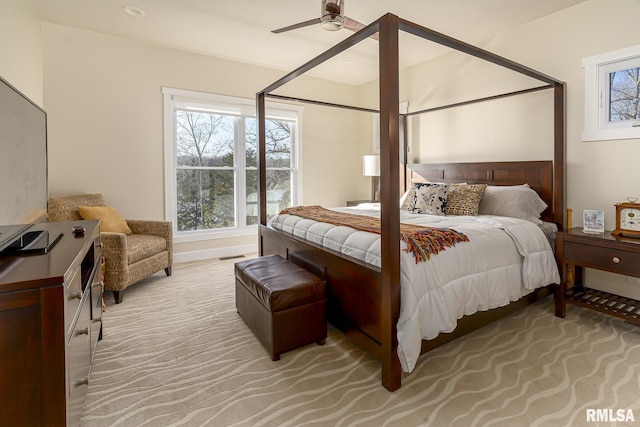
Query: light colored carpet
{"points": [[176, 353]]}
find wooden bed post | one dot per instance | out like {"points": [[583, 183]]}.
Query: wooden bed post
{"points": [[390, 214], [261, 166], [559, 155], [262, 156]]}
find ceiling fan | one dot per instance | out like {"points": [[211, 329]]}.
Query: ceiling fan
{"points": [[332, 18]]}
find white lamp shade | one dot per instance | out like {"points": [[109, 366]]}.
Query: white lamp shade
{"points": [[371, 165]]}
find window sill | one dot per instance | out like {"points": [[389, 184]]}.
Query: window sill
{"points": [[611, 134], [201, 235]]}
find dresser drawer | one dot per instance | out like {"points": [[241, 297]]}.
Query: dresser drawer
{"points": [[72, 297], [78, 363], [96, 312], [614, 260]]}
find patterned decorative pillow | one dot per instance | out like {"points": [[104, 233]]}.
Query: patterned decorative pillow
{"points": [[429, 198], [464, 199], [408, 200]]}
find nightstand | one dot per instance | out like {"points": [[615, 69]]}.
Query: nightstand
{"points": [[576, 250]]}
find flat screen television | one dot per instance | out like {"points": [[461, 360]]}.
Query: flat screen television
{"points": [[23, 170]]}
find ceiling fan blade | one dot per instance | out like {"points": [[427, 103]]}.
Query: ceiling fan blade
{"points": [[296, 26], [355, 26]]}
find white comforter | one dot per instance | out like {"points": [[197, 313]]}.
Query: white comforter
{"points": [[505, 259]]}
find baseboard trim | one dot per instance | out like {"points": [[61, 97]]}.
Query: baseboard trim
{"points": [[226, 252]]}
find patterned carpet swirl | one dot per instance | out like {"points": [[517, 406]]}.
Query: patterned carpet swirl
{"points": [[176, 353]]}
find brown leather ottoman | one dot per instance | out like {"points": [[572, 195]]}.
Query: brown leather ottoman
{"points": [[283, 304]]}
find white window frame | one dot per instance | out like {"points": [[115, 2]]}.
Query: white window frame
{"points": [[175, 98], [596, 118]]}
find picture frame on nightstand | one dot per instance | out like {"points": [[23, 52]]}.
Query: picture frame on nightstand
{"points": [[592, 221]]}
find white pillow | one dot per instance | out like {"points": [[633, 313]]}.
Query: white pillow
{"points": [[516, 201]]}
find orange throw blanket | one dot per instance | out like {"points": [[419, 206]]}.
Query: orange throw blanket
{"points": [[421, 241]]}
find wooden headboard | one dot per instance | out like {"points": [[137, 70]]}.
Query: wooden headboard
{"points": [[538, 174]]}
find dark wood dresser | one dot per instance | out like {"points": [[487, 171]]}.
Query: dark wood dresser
{"points": [[50, 322]]}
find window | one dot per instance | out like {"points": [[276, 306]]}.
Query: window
{"points": [[211, 163], [612, 95]]}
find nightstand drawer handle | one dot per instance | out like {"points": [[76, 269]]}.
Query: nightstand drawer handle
{"points": [[616, 260]]}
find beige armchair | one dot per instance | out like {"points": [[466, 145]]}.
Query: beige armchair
{"points": [[128, 257]]}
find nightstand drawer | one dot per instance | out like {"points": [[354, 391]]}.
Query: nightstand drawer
{"points": [[614, 260]]}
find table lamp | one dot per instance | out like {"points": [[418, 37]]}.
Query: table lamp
{"points": [[371, 167]]}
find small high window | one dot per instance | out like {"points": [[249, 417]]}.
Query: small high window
{"points": [[612, 95]]}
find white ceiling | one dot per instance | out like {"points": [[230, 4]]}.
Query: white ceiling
{"points": [[240, 30]]}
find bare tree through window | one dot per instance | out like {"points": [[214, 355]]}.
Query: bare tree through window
{"points": [[278, 145], [207, 163], [624, 95]]}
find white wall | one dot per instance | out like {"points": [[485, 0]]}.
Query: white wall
{"points": [[512, 128], [103, 96], [21, 47]]}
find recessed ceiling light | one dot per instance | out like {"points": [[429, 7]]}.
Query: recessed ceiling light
{"points": [[133, 11]]}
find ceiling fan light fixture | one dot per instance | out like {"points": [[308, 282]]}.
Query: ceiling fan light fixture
{"points": [[332, 14]]}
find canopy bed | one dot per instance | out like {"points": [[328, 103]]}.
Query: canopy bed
{"points": [[364, 299]]}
